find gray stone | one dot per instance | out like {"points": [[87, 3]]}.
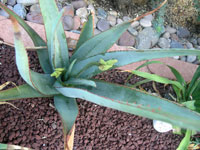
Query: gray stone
{"points": [[191, 58], [193, 41], [91, 8], [3, 1], [11, 2], [170, 30], [163, 43], [174, 37], [175, 44], [5, 14], [34, 17], [114, 13], [135, 24], [82, 12], [119, 21], [126, 39], [101, 13], [126, 18], [176, 57], [27, 2], [132, 31], [20, 10], [189, 45], [96, 31], [166, 35], [198, 41], [69, 10], [68, 22], [78, 4], [103, 25], [149, 17], [145, 23], [147, 38], [183, 32], [112, 20], [35, 8], [183, 58]]}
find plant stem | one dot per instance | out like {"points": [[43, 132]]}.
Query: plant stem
{"points": [[185, 141]]}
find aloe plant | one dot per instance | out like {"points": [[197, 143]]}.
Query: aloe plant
{"points": [[67, 78]]}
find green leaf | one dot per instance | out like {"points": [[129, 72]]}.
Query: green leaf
{"points": [[157, 78], [50, 22], [185, 141], [193, 105], [20, 92], [68, 110], [86, 32], [135, 102], [12, 147], [37, 40], [100, 43], [78, 81], [127, 57], [140, 83]]}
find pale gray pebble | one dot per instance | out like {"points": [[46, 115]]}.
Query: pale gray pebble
{"points": [[34, 17], [5, 14], [27, 2], [189, 45], [78, 4], [82, 12], [91, 7], [191, 58], [11, 2], [193, 41], [145, 23], [20, 10], [101, 13], [163, 43], [103, 25], [96, 31], [119, 21], [3, 1], [183, 32], [68, 22], [147, 38], [166, 35], [170, 30], [176, 57], [183, 58], [112, 12], [126, 39], [135, 24], [126, 18], [149, 17], [35, 8], [112, 20], [175, 44], [132, 31]]}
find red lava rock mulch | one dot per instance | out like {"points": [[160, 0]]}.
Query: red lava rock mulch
{"points": [[37, 125]]}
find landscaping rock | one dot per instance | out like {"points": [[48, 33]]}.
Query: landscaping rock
{"points": [[135, 24], [91, 7], [126, 18], [119, 21], [27, 2], [20, 10], [166, 35], [191, 59], [3, 13], [68, 22], [3, 1], [176, 57], [147, 38], [112, 20], [82, 12], [35, 8], [189, 45], [103, 25], [149, 17], [164, 43], [77, 22], [175, 44], [126, 39], [69, 10], [198, 41], [113, 13], [183, 58], [170, 30], [101, 13], [145, 23], [11, 2], [78, 4], [174, 37], [34, 17], [132, 31], [183, 32], [194, 41]]}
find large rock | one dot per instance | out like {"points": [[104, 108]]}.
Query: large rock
{"points": [[183, 32], [163, 43], [27, 2], [11, 2], [147, 38], [20, 10]]}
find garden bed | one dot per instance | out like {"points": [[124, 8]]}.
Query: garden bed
{"points": [[37, 125]]}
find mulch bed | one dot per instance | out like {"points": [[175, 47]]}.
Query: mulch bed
{"points": [[37, 125]]}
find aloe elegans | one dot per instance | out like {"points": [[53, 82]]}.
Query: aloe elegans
{"points": [[66, 79]]}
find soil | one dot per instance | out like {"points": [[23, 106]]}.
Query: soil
{"points": [[37, 125]]}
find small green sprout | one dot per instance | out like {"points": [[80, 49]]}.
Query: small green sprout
{"points": [[57, 72], [105, 65]]}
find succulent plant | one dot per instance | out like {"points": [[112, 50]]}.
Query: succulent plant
{"points": [[67, 78]]}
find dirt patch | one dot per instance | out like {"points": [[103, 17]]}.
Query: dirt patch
{"points": [[37, 125]]}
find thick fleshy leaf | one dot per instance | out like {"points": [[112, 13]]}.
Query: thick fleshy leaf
{"points": [[100, 43], [185, 141], [37, 40], [86, 32], [68, 110], [60, 42], [78, 81], [12, 147], [135, 102], [127, 57], [20, 92]]}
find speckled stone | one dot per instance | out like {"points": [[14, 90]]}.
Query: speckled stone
{"points": [[103, 25]]}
